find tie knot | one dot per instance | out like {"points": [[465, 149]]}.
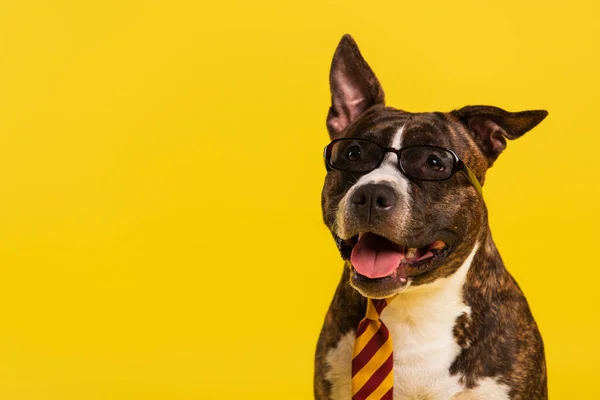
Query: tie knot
{"points": [[375, 308]]}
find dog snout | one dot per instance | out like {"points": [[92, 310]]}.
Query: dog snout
{"points": [[374, 199]]}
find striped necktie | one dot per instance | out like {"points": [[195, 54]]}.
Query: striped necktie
{"points": [[372, 360]]}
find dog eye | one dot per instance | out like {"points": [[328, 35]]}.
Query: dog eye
{"points": [[353, 153], [435, 163]]}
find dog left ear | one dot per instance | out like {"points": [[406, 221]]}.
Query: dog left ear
{"points": [[354, 87], [491, 126]]}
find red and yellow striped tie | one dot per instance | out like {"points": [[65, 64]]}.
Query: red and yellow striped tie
{"points": [[372, 360]]}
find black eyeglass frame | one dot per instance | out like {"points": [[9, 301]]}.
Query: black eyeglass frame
{"points": [[457, 166]]}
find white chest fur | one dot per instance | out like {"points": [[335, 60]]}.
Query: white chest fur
{"points": [[421, 321]]}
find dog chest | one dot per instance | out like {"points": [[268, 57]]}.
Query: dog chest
{"points": [[424, 349], [423, 353], [421, 322]]}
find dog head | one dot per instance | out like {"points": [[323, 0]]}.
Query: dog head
{"points": [[402, 195]]}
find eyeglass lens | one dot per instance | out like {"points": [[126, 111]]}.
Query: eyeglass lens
{"points": [[420, 162]]}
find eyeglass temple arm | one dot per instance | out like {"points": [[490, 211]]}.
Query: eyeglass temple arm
{"points": [[472, 178], [325, 150]]}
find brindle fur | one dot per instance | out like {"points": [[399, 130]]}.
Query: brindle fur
{"points": [[499, 338]]}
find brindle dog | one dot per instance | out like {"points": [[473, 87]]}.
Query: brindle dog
{"points": [[461, 327]]}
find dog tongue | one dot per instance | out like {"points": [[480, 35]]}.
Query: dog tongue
{"points": [[375, 257]]}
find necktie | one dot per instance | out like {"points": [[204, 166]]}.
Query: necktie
{"points": [[372, 360]]}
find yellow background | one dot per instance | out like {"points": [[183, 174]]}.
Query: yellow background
{"points": [[160, 177]]}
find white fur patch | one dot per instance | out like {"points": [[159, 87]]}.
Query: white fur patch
{"points": [[339, 373], [421, 321], [388, 170], [487, 389]]}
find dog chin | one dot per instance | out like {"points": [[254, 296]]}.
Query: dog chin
{"points": [[378, 288]]}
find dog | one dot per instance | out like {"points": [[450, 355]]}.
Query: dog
{"points": [[402, 198]]}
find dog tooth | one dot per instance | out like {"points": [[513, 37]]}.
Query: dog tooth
{"points": [[411, 254]]}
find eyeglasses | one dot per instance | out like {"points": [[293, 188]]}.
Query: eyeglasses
{"points": [[423, 163]]}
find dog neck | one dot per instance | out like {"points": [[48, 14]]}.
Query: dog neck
{"points": [[441, 299], [482, 276]]}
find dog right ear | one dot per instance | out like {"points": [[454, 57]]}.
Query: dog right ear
{"points": [[491, 126], [354, 87]]}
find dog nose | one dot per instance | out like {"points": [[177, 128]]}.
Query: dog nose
{"points": [[375, 197]]}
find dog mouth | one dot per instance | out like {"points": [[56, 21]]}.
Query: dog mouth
{"points": [[373, 257]]}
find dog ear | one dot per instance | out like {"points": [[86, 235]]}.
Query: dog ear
{"points": [[491, 126], [354, 87]]}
